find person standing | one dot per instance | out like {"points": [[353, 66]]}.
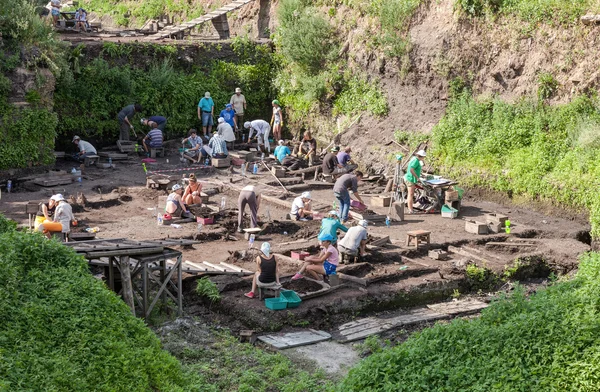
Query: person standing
{"points": [[346, 182], [413, 173], [228, 114], [251, 197], [281, 151], [85, 149], [206, 108], [239, 106], [125, 116], [267, 274], [55, 10], [276, 120], [263, 129], [355, 241]]}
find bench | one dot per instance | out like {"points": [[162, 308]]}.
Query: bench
{"points": [[154, 152], [418, 236], [264, 291], [90, 160]]}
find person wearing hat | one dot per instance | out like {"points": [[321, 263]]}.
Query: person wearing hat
{"points": [[301, 208], [319, 267], [225, 131], [154, 138], [196, 152], [239, 106], [175, 205], [347, 182], [263, 129], [276, 119], [206, 108], [331, 166], [249, 196], [124, 117], [217, 146], [281, 151], [192, 192], [61, 221], [330, 225], [228, 114], [345, 160], [85, 149], [267, 271], [354, 242], [411, 178]]}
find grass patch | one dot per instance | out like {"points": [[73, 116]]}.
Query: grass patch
{"points": [[546, 342]]}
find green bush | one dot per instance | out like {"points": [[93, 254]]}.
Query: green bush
{"points": [[542, 152], [544, 11], [547, 86], [359, 95], [62, 330], [395, 17], [547, 342]]}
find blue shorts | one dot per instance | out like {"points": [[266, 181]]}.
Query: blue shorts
{"points": [[329, 268], [55, 12], [207, 119]]}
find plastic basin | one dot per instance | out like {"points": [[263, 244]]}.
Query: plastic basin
{"points": [[293, 300], [276, 303]]}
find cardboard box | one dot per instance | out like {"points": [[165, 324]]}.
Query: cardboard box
{"points": [[221, 162], [381, 201], [476, 227]]}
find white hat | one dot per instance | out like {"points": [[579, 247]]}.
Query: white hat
{"points": [[76, 138], [281, 142], [305, 195], [238, 90], [57, 197], [207, 95], [362, 223], [176, 187], [221, 120], [247, 124], [421, 153], [333, 212], [143, 121]]}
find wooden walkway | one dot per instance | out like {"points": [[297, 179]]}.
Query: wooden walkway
{"points": [[178, 31]]}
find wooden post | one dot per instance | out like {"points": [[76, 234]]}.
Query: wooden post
{"points": [[126, 280]]}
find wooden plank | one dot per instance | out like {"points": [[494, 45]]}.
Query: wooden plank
{"points": [[200, 267], [215, 267], [456, 308], [463, 252], [415, 316], [381, 241], [233, 267], [480, 252], [510, 244], [353, 279], [295, 339]]}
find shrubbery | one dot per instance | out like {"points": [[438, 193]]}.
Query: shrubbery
{"points": [[527, 148], [547, 342], [62, 330], [532, 11]]}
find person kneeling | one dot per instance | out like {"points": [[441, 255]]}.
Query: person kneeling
{"points": [[175, 205], [324, 264], [354, 242], [267, 275], [301, 208]]}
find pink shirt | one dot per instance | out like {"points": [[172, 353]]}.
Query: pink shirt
{"points": [[334, 256]]}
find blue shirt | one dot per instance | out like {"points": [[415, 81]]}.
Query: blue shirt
{"points": [[330, 226], [156, 138], [281, 152], [206, 104], [218, 145], [228, 116], [158, 119], [343, 157]]}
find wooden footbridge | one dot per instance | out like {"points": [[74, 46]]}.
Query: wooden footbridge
{"points": [[218, 18]]}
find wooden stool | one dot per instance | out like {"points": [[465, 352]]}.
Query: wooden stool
{"points": [[418, 236], [157, 151], [268, 291], [90, 160]]}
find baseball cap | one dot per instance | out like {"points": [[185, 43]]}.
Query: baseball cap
{"points": [[275, 102], [207, 95], [143, 120], [333, 212], [176, 187], [238, 90], [221, 120], [228, 105], [58, 197], [305, 195], [76, 138], [421, 153], [335, 149]]}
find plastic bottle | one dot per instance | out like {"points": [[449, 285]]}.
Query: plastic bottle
{"points": [[110, 161], [255, 169], [79, 180], [335, 204], [244, 138], [387, 221], [207, 161], [507, 226], [244, 169], [199, 227], [262, 157], [251, 241], [73, 171], [223, 203], [136, 147], [8, 186], [159, 219]]}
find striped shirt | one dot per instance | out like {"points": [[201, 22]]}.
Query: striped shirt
{"points": [[218, 145], [156, 138]]}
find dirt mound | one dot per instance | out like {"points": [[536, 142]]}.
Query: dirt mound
{"points": [[302, 286]]}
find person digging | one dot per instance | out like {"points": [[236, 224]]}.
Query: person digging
{"points": [[319, 267], [354, 242], [267, 274], [411, 178], [175, 205], [301, 208]]}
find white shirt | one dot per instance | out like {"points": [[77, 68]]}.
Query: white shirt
{"points": [[64, 215], [226, 132], [297, 205], [86, 147], [260, 126], [353, 237]]}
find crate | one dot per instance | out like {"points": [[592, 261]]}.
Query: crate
{"points": [[299, 255], [438, 254], [221, 162], [276, 303], [495, 227], [278, 171], [496, 218], [476, 227], [381, 201], [246, 155], [452, 195], [293, 300], [449, 212], [205, 221]]}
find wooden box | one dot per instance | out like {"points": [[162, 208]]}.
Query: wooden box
{"points": [[496, 218], [278, 171], [495, 227], [246, 155], [438, 254], [221, 162], [381, 201], [452, 195], [476, 227]]}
